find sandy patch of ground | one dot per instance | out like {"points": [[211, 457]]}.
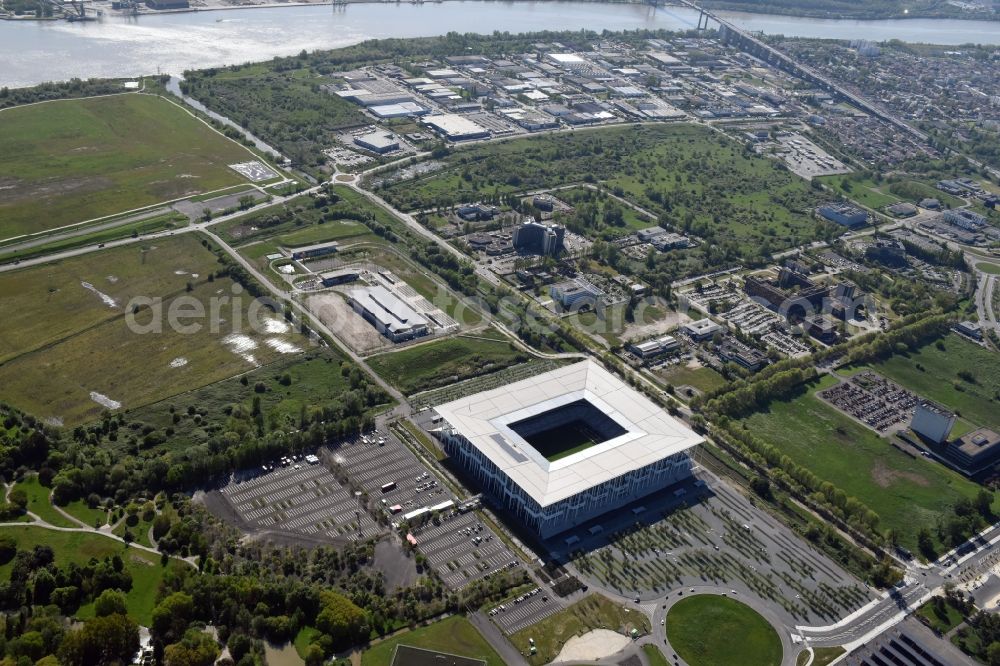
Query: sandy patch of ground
{"points": [[346, 324], [885, 477], [104, 400], [596, 644], [663, 319]]}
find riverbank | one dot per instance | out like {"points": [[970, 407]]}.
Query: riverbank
{"points": [[948, 12], [741, 7], [124, 47]]}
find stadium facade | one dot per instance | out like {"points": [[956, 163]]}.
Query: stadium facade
{"points": [[565, 446]]}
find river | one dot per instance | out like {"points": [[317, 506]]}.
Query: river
{"points": [[37, 51]]}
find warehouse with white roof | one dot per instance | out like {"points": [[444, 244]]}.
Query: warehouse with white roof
{"points": [[566, 446]]}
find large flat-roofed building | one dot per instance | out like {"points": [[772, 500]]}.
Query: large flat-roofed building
{"points": [[400, 110], [975, 450], [377, 142], [575, 294], [653, 348], [565, 446], [393, 317], [456, 128], [844, 214], [703, 329], [965, 219], [313, 251]]}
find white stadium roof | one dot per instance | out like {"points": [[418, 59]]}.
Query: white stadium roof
{"points": [[651, 434]]}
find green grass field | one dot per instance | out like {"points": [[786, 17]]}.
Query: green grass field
{"points": [[434, 364], [39, 504], [66, 337], [328, 231], [864, 191], [140, 530], [942, 622], [992, 269], [68, 161], [822, 656], [907, 493], [704, 378], [939, 380], [80, 547], [146, 226], [709, 630], [88, 516], [654, 655], [315, 379], [454, 635], [591, 612]]}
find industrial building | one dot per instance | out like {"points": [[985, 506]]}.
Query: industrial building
{"points": [[456, 128], [313, 251], [965, 219], [477, 212], [653, 348], [648, 234], [390, 315], [533, 237], [671, 241], [902, 209], [565, 446], [932, 422], [844, 214], [970, 328], [377, 142], [576, 294], [401, 110], [168, 4], [342, 276]]}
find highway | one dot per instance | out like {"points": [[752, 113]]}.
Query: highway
{"points": [[984, 301]]}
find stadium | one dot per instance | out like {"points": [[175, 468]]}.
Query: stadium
{"points": [[565, 446]]}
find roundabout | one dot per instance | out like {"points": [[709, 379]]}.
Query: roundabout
{"points": [[713, 630]]}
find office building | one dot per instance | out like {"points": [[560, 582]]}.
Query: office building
{"points": [[931, 421], [844, 214], [533, 237]]}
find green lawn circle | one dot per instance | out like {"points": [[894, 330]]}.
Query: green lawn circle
{"points": [[711, 630]]}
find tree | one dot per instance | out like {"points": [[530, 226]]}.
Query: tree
{"points": [[172, 616], [314, 655], [761, 486], [112, 639], [993, 654], [984, 503], [344, 622], [196, 649], [8, 548], [110, 602]]}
